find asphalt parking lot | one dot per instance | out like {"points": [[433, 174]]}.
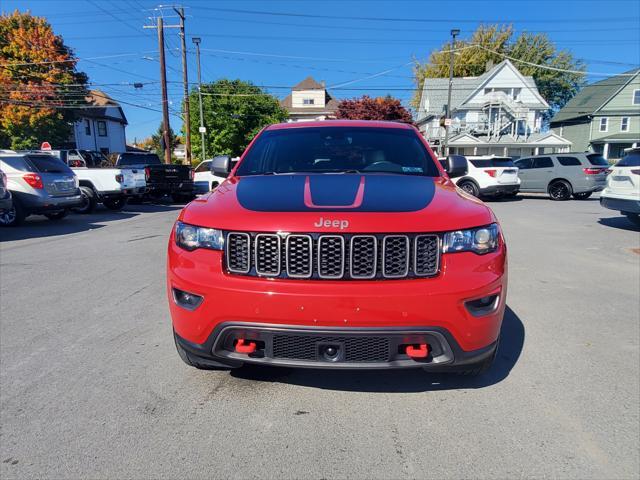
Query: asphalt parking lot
{"points": [[91, 385]]}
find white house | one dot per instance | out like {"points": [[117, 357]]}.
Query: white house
{"points": [[309, 100], [101, 127], [500, 112]]}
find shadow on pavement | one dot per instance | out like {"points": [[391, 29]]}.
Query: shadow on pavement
{"points": [[623, 223], [396, 381], [38, 226]]}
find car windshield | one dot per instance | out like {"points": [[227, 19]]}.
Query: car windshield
{"points": [[49, 164], [630, 160], [597, 159], [338, 150], [493, 162], [139, 159]]}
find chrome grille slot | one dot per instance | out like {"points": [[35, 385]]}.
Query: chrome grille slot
{"points": [[363, 259], [299, 256], [426, 255], [395, 256], [331, 256], [267, 255], [238, 252]]}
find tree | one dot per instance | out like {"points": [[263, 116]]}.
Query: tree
{"points": [[380, 108], [38, 83], [156, 143], [491, 44], [234, 112]]}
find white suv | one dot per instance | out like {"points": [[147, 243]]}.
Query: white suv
{"points": [[490, 176], [622, 192]]}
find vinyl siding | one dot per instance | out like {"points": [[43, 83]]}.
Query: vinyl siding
{"points": [[614, 126], [623, 100], [578, 135]]}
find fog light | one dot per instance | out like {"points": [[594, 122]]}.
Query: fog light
{"points": [[483, 306], [186, 300]]}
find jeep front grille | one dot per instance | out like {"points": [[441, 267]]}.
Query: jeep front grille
{"points": [[332, 256]]}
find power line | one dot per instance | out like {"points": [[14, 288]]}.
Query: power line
{"points": [[416, 20]]}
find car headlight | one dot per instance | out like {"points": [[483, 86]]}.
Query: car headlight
{"points": [[478, 240], [191, 237]]}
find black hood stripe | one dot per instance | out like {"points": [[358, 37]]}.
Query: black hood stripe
{"points": [[339, 193]]}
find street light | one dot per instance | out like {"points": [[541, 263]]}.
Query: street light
{"points": [[196, 41], [447, 119]]}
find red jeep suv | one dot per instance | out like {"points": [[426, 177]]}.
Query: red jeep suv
{"points": [[338, 244]]}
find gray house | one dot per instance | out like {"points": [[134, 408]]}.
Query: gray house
{"points": [[499, 112], [603, 117]]}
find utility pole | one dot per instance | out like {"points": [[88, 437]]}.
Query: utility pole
{"points": [[447, 119], [185, 81], [165, 102], [196, 41]]}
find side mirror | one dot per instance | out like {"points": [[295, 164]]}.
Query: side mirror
{"points": [[221, 166], [456, 166]]}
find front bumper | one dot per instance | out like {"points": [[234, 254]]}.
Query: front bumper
{"points": [[357, 348], [434, 306], [500, 189], [620, 204]]}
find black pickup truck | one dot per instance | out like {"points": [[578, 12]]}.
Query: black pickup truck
{"points": [[162, 178]]}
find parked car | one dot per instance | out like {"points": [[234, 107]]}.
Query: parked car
{"points": [[563, 175], [6, 203], [204, 179], [622, 192], [338, 244], [39, 184], [490, 176], [100, 182], [162, 179]]}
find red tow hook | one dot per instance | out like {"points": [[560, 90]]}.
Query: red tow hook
{"points": [[418, 352], [245, 347]]}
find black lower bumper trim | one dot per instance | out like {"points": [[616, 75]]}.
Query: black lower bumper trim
{"points": [[620, 204], [500, 189], [445, 353]]}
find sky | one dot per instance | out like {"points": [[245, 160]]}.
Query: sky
{"points": [[356, 46]]}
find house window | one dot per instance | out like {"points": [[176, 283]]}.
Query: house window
{"points": [[624, 124], [308, 101], [87, 127], [636, 97], [102, 128], [604, 124]]}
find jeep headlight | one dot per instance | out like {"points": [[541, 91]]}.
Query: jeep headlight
{"points": [[478, 240], [191, 237]]}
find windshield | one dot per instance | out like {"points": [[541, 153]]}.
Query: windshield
{"points": [[338, 150], [138, 159], [49, 164], [493, 162], [631, 160]]}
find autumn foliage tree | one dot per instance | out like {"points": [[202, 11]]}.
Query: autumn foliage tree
{"points": [[39, 83], [491, 44], [367, 108]]}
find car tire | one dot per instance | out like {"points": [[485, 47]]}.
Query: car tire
{"points": [[582, 195], [116, 205], [192, 362], [469, 187], [57, 215], [633, 218], [560, 190], [89, 201], [479, 368], [14, 216]]}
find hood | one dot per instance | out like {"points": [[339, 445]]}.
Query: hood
{"points": [[337, 202]]}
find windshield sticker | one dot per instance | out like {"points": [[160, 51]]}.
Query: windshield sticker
{"points": [[412, 169]]}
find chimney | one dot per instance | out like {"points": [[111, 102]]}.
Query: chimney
{"points": [[489, 65]]}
